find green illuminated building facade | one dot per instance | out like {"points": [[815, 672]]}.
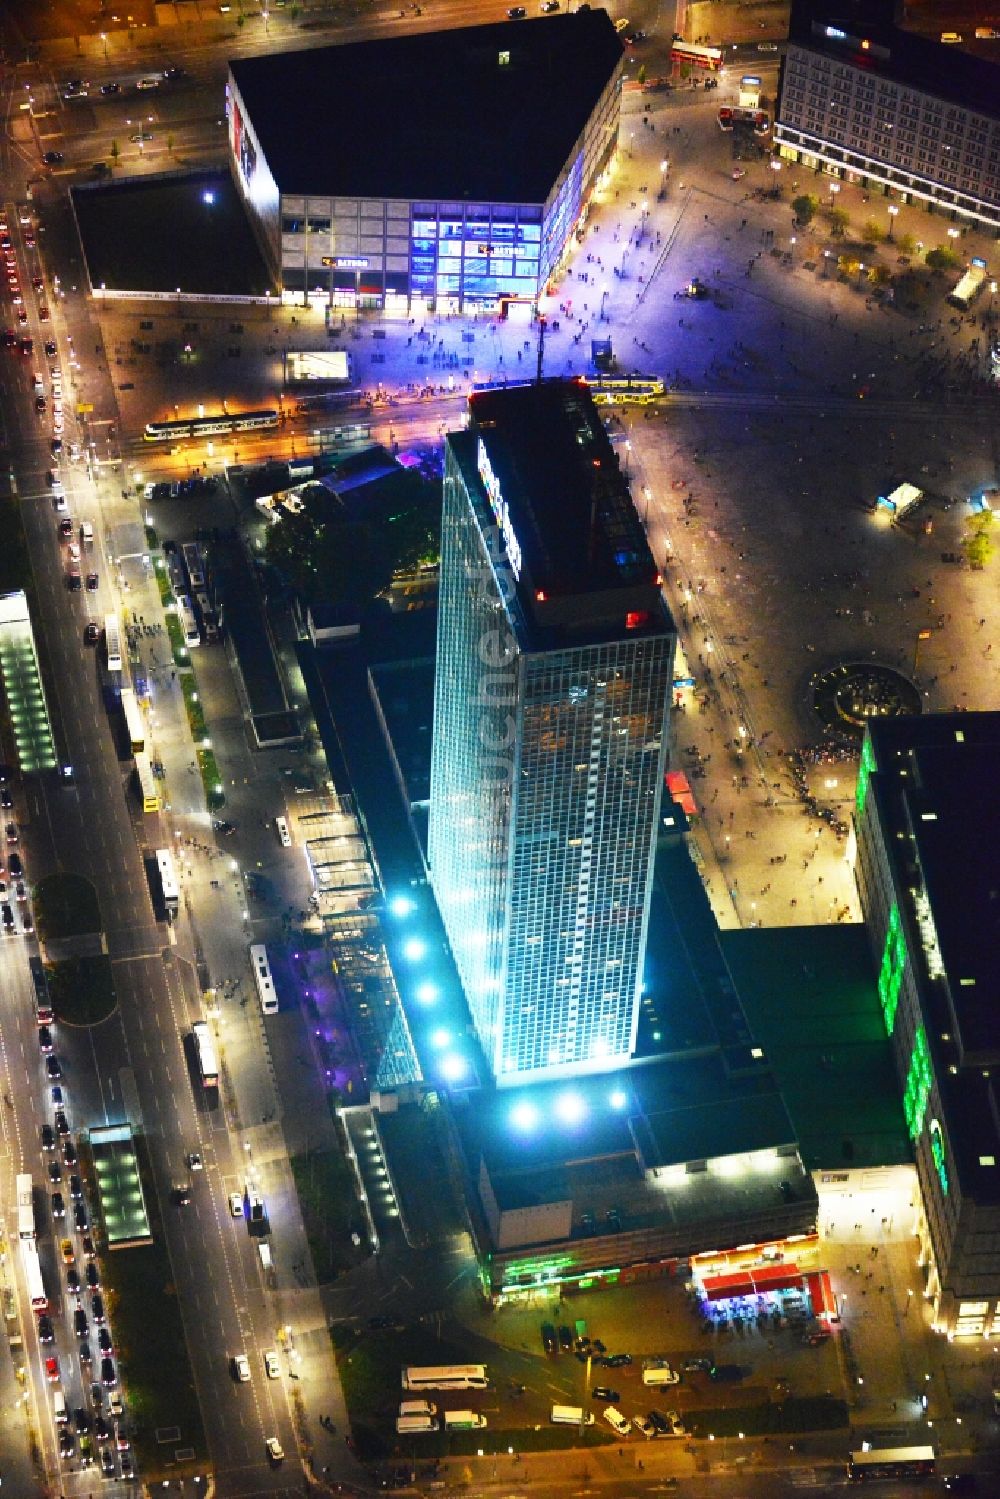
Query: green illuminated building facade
{"points": [[927, 824]]}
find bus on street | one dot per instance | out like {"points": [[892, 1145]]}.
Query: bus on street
{"points": [[33, 1276], [169, 887], [134, 726], [189, 625], [696, 56], [890, 1462], [207, 1064], [266, 992], [445, 1377], [43, 999], [113, 642], [25, 1209], [148, 794]]}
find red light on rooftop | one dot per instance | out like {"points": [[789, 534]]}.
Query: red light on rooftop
{"points": [[865, 45], [659, 580], [540, 595], [636, 619]]}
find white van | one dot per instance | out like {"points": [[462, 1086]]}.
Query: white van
{"points": [[264, 1250], [619, 1423], [570, 1415], [463, 1421], [406, 1424], [659, 1375], [87, 533], [417, 1408], [39, 388], [284, 836], [59, 1407]]}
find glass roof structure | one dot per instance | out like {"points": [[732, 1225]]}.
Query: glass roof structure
{"points": [[22, 683]]}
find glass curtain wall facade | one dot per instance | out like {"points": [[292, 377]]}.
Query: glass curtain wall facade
{"points": [[546, 780]]}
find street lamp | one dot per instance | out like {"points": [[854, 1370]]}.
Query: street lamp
{"points": [[893, 211], [834, 189], [104, 39], [953, 233]]}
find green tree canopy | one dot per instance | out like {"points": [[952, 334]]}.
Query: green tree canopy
{"points": [[872, 232], [804, 207], [839, 221], [331, 555], [977, 543], [942, 258]]}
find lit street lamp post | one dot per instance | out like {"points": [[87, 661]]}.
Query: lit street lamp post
{"points": [[893, 211]]}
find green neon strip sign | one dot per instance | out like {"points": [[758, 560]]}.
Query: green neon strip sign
{"points": [[864, 771], [890, 978], [918, 1084], [938, 1153]]}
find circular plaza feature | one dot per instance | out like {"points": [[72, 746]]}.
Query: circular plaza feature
{"points": [[848, 694]]}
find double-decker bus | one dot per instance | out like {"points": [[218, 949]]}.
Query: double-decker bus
{"points": [[207, 1064], [890, 1462], [169, 887], [134, 726], [191, 553], [696, 56], [25, 1209], [148, 794], [33, 1276], [43, 999], [210, 426], [189, 625], [266, 992], [445, 1377], [113, 642]]}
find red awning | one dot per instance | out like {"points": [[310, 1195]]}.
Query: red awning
{"points": [[824, 1303], [720, 1287], [680, 791], [777, 1278]]}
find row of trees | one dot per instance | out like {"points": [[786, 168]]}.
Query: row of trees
{"points": [[872, 232]]}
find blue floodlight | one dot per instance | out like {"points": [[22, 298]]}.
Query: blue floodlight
{"points": [[570, 1108], [414, 949], [524, 1116], [618, 1099], [427, 992], [453, 1068], [208, 196], [441, 1039], [401, 905]]}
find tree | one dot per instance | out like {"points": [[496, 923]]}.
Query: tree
{"points": [[907, 244], [839, 222], [942, 258], [977, 543], [848, 265], [329, 555], [641, 75], [170, 144], [879, 275], [871, 232], [116, 151], [804, 208]]}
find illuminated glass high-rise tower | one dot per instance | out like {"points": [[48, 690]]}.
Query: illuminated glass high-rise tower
{"points": [[552, 692]]}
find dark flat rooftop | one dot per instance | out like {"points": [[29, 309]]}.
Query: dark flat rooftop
{"points": [[935, 784], [936, 781], [435, 115], [944, 71], [810, 994], [584, 563]]}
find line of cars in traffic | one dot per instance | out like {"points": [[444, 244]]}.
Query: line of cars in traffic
{"points": [[13, 275], [92, 1431], [14, 893]]}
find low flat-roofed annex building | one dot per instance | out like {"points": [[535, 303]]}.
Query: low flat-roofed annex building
{"points": [[927, 828], [443, 170], [865, 101]]}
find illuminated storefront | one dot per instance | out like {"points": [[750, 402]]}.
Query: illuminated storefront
{"points": [[388, 226]]}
